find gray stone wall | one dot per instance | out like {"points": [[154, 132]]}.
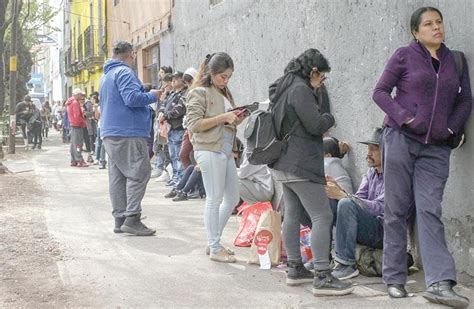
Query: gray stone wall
{"points": [[357, 37]]}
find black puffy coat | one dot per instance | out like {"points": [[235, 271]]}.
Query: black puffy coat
{"points": [[293, 100]]}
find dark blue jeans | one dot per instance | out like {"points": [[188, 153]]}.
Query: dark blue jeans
{"points": [[175, 139], [355, 225], [189, 180]]}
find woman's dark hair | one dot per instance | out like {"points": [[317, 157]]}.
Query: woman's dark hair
{"points": [[214, 64], [167, 69], [331, 146], [303, 65], [415, 19]]}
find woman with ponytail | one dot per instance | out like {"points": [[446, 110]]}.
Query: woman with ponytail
{"points": [[300, 169], [212, 129]]}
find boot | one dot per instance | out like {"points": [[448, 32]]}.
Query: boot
{"points": [[134, 225], [298, 274], [118, 223], [172, 193], [325, 284], [442, 293]]}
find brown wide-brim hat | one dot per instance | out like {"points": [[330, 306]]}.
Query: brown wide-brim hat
{"points": [[375, 138]]}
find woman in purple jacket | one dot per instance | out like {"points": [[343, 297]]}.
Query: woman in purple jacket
{"points": [[420, 118]]}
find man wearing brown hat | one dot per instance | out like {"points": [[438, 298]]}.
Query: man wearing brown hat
{"points": [[359, 216]]}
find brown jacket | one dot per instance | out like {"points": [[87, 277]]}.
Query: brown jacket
{"points": [[202, 103]]}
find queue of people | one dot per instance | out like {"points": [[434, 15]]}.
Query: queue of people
{"points": [[195, 132]]}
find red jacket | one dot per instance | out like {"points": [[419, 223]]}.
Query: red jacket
{"points": [[74, 113]]}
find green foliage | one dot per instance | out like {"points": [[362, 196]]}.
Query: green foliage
{"points": [[33, 20]]}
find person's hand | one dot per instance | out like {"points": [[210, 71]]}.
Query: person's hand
{"points": [[333, 190], [227, 118], [156, 93], [197, 168]]}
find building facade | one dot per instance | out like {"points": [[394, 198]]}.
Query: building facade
{"points": [[85, 48], [147, 25]]}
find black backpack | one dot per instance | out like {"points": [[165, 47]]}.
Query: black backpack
{"points": [[455, 141], [263, 143]]}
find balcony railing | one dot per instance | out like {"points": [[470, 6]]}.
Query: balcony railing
{"points": [[94, 56]]}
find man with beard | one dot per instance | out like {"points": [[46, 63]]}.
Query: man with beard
{"points": [[360, 215]]}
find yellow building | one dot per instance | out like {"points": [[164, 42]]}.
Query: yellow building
{"points": [[86, 53]]}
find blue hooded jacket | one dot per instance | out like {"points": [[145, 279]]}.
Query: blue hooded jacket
{"points": [[123, 102]]}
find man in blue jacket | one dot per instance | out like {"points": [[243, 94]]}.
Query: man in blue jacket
{"points": [[125, 124], [359, 216]]}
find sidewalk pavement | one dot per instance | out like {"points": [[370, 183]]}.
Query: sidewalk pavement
{"points": [[103, 269]]}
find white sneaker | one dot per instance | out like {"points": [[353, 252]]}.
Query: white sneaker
{"points": [[163, 178], [96, 162], [156, 173]]}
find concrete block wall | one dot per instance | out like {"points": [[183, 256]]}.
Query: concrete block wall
{"points": [[358, 37]]}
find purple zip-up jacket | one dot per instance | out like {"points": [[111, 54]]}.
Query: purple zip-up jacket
{"points": [[423, 94]]}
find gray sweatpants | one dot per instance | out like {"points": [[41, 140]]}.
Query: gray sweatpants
{"points": [[129, 172], [309, 196], [77, 139]]}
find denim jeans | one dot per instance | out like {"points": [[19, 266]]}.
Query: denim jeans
{"points": [[99, 150], [175, 139], [190, 179], [355, 225], [221, 183]]}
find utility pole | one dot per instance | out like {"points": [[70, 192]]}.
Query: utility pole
{"points": [[13, 66]]}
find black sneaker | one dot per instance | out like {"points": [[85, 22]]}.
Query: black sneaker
{"points": [[133, 225], [344, 272], [442, 293], [298, 274], [118, 224], [172, 193], [180, 197], [325, 284]]}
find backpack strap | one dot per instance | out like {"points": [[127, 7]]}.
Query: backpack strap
{"points": [[292, 130]]}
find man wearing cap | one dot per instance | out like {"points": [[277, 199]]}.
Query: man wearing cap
{"points": [[77, 120], [125, 123], [174, 111], [23, 112], [360, 215]]}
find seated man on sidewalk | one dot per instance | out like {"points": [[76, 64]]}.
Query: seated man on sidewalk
{"points": [[359, 215]]}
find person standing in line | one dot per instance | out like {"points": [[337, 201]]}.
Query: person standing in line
{"points": [[124, 126], [300, 169], [35, 127], [77, 121], [45, 119], [23, 112], [174, 112], [431, 103], [91, 124], [212, 133]]}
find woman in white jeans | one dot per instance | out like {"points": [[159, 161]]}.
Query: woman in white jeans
{"points": [[212, 130]]}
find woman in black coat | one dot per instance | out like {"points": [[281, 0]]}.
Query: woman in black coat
{"points": [[300, 169]]}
